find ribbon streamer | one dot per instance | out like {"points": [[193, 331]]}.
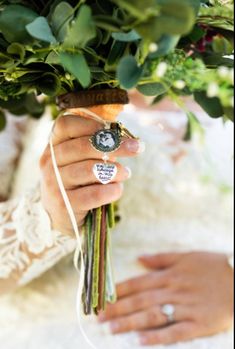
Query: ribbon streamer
{"points": [[79, 250]]}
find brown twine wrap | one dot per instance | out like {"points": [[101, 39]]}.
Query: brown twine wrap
{"points": [[84, 99]]}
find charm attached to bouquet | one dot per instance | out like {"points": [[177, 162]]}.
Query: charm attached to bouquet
{"points": [[107, 141]]}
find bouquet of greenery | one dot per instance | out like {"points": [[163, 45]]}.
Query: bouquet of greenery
{"points": [[160, 47]]}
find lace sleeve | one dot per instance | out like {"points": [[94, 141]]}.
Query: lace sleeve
{"points": [[28, 245], [10, 151]]}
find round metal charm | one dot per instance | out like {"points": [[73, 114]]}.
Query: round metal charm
{"points": [[106, 141]]}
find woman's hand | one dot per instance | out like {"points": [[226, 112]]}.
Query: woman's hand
{"points": [[198, 285], [76, 158]]}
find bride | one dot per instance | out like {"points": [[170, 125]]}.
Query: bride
{"points": [[172, 247]]}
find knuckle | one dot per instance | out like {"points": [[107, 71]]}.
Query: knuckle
{"points": [[45, 158], [179, 333], [152, 316], [117, 190], [61, 125], [140, 300]]}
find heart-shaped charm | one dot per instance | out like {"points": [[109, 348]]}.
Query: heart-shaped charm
{"points": [[105, 173]]}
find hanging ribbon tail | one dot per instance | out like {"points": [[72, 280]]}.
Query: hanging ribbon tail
{"points": [[78, 256]]}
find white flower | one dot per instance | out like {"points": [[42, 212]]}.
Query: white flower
{"points": [[223, 72], [180, 84], [153, 47], [213, 90], [161, 69]]}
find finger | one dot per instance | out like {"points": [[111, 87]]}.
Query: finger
{"points": [[160, 261], [180, 332], [80, 149], [82, 174], [94, 196], [143, 283], [148, 319], [72, 126], [136, 303]]}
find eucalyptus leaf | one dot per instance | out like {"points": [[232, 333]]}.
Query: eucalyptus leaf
{"points": [[177, 18], [127, 37], [76, 64], [49, 84], [82, 29], [212, 106], [165, 45], [40, 29], [60, 20], [128, 72], [13, 22], [154, 89], [17, 50], [193, 127]]}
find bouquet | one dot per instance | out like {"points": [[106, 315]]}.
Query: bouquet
{"points": [[77, 47]]}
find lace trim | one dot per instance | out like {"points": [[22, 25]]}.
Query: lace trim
{"points": [[28, 246]]}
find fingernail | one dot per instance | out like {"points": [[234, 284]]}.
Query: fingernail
{"points": [[105, 328], [143, 340], [135, 146], [101, 318], [145, 256], [129, 172], [114, 326]]}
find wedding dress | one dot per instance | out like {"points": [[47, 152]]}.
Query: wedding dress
{"points": [[179, 199]]}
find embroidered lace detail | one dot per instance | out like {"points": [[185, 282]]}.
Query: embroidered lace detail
{"points": [[10, 149], [28, 246]]}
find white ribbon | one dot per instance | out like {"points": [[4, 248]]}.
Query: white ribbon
{"points": [[79, 250]]}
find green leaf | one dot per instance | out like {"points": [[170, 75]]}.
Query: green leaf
{"points": [[40, 29], [33, 106], [176, 18], [194, 127], [212, 106], [128, 72], [139, 8], [76, 65], [60, 20], [49, 84], [126, 37], [17, 50], [13, 20], [82, 30], [154, 89], [3, 120], [116, 52], [166, 44]]}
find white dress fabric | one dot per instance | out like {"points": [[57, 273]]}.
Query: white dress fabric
{"points": [[172, 203]]}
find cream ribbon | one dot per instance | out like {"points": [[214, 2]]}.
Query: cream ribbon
{"points": [[79, 250]]}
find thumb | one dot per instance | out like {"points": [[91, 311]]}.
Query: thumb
{"points": [[160, 261]]}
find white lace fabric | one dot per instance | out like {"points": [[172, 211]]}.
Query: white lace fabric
{"points": [[28, 245], [10, 151]]}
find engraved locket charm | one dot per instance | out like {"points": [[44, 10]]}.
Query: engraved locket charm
{"points": [[104, 172]]}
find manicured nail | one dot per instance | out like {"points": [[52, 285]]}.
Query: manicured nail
{"points": [[143, 340], [114, 326], [101, 318], [105, 328], [129, 172], [135, 146]]}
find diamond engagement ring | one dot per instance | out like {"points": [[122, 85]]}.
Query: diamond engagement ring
{"points": [[169, 311]]}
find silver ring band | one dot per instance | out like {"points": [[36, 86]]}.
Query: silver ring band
{"points": [[169, 311]]}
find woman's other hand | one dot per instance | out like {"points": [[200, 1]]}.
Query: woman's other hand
{"points": [[198, 285]]}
